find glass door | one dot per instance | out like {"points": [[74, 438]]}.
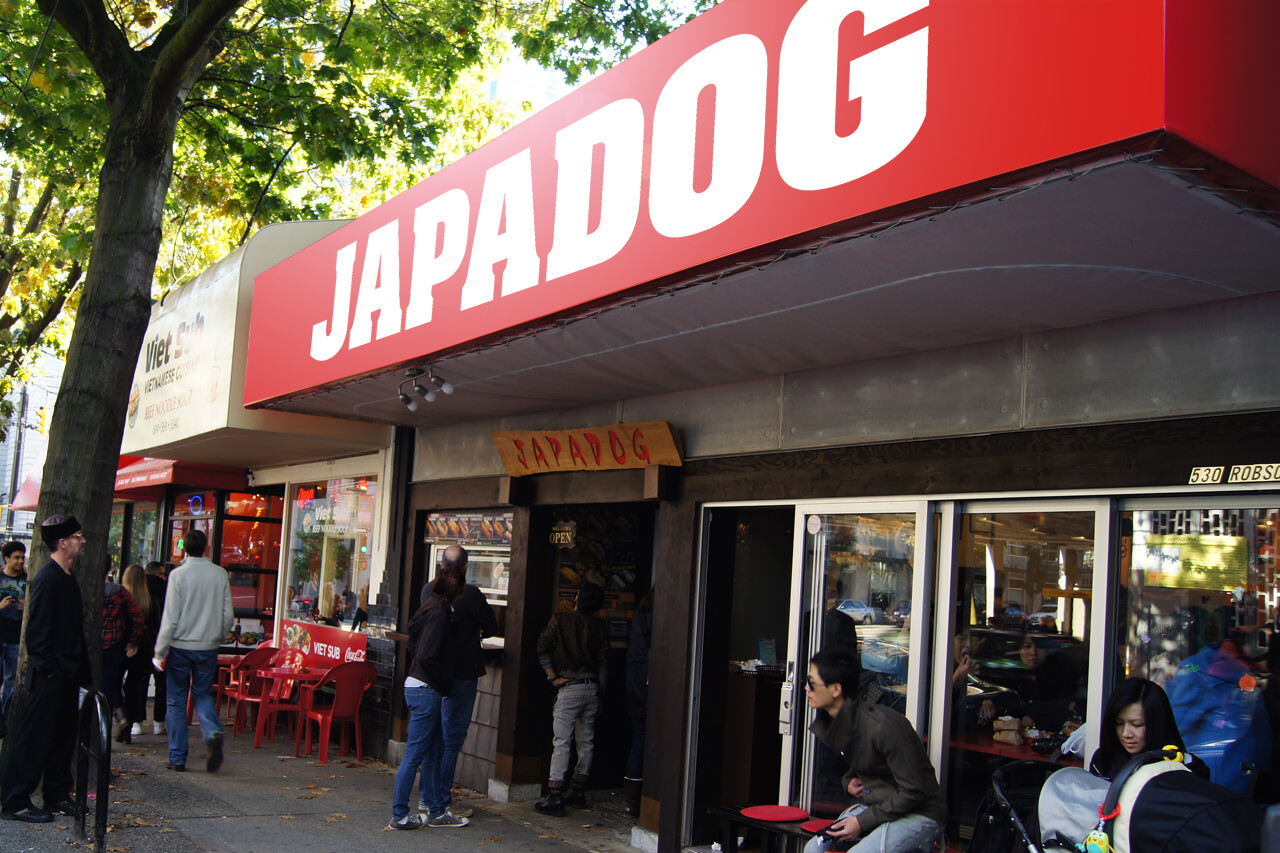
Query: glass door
{"points": [[863, 588]]}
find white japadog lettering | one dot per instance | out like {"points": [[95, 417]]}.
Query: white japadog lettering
{"points": [[738, 68], [619, 128], [508, 186], [326, 344], [445, 215], [891, 81], [379, 287]]}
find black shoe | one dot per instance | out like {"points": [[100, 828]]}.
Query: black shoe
{"points": [[215, 752], [121, 727], [577, 798], [413, 821], [30, 814], [66, 807], [180, 768], [553, 805]]}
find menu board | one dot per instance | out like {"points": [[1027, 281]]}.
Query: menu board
{"points": [[480, 528], [604, 550]]}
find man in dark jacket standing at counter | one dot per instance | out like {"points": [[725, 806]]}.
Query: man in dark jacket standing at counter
{"points": [[573, 650], [898, 806], [473, 620], [42, 743]]}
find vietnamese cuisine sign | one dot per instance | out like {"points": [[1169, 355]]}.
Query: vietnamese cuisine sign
{"points": [[182, 384], [1187, 561], [592, 449], [757, 121]]}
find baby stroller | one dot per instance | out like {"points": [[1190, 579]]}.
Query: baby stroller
{"points": [[1155, 804], [1007, 820]]}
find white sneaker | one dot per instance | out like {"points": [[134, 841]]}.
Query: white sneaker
{"points": [[137, 729], [157, 728]]}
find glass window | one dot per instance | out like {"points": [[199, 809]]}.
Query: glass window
{"points": [[331, 526], [1024, 591], [142, 534], [1197, 588]]}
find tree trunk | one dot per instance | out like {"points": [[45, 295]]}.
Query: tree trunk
{"points": [[115, 308]]}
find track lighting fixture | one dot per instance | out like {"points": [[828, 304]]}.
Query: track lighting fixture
{"points": [[427, 391]]}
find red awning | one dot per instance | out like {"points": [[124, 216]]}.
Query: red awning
{"points": [[158, 472], [141, 479], [28, 494]]}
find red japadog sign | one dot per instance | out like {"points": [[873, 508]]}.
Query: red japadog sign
{"points": [[759, 120]]}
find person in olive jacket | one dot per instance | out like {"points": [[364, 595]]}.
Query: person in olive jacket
{"points": [[573, 650], [898, 806]]}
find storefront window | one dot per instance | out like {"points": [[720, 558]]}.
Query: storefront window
{"points": [[250, 552], [329, 550], [1197, 588], [142, 533], [1024, 592], [191, 511]]}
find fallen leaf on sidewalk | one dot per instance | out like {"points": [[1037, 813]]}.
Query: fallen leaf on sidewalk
{"points": [[286, 817], [334, 817], [494, 838], [119, 849], [553, 835], [308, 787], [307, 796]]}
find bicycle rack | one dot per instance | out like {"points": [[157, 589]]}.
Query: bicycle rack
{"points": [[92, 744]]}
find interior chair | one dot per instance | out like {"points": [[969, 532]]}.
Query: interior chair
{"points": [[335, 698]]}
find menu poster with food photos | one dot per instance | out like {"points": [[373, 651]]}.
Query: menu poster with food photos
{"points": [[469, 528]]}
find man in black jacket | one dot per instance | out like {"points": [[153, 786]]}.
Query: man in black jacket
{"points": [[573, 650], [41, 745]]}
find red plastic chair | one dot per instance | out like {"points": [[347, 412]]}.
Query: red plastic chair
{"points": [[223, 684], [254, 688], [232, 678], [278, 696], [349, 682]]}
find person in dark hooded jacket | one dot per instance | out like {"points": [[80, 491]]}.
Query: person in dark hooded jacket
{"points": [[433, 645]]}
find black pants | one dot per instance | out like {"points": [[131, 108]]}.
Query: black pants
{"points": [[40, 746], [137, 677], [113, 663]]}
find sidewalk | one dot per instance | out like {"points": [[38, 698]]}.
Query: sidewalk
{"points": [[266, 801]]}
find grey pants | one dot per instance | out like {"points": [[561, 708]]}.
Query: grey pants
{"points": [[574, 717], [910, 834]]}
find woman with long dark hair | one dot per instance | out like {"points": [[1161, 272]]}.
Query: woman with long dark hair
{"points": [[138, 669], [430, 679], [1138, 718]]}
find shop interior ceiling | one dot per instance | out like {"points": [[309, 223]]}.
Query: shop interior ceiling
{"points": [[1072, 245]]}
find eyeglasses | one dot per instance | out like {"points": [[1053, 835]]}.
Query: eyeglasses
{"points": [[810, 684]]}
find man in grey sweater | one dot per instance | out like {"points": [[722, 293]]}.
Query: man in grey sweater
{"points": [[197, 617]]}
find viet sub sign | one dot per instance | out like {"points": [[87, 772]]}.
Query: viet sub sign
{"points": [[591, 449]]}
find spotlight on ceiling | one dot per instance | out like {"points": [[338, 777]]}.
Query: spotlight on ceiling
{"points": [[427, 391]]}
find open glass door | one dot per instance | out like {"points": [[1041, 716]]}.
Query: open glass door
{"points": [[864, 585]]}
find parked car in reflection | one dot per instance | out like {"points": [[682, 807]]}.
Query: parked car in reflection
{"points": [[901, 612], [860, 611]]}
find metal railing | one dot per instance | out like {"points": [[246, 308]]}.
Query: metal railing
{"points": [[93, 741]]}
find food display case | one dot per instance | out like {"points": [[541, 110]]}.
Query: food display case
{"points": [[487, 538]]}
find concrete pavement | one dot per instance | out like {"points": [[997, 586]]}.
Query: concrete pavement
{"points": [[266, 801]]}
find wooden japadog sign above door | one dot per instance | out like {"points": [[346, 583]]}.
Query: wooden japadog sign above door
{"points": [[591, 449]]}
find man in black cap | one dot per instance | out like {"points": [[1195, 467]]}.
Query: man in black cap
{"points": [[42, 743]]}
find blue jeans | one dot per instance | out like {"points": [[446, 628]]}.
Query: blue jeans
{"points": [[911, 833], [455, 719], [421, 752], [194, 671], [9, 665]]}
